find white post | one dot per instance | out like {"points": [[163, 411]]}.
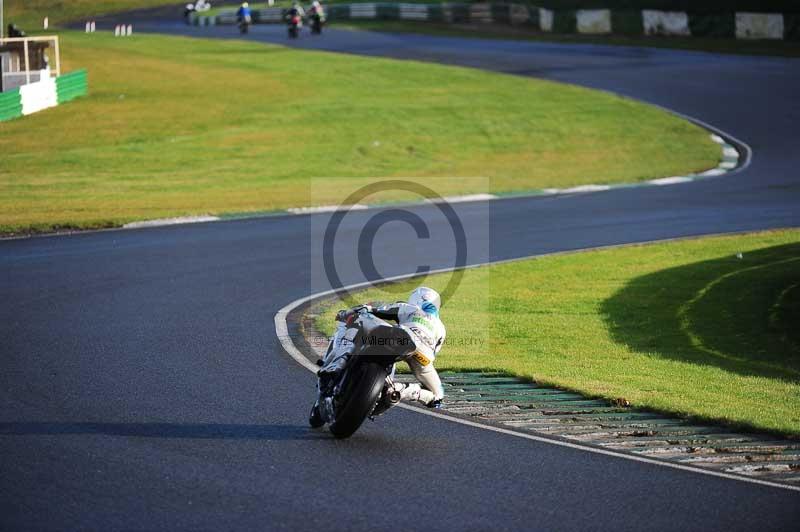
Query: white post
{"points": [[46, 23], [27, 63], [58, 58]]}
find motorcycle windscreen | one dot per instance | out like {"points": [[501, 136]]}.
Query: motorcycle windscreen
{"points": [[386, 341]]}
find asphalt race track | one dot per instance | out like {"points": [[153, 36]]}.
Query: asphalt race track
{"points": [[143, 387]]}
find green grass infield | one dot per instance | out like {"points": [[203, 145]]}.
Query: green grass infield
{"points": [[179, 126]]}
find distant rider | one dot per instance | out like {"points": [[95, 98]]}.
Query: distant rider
{"points": [[420, 318], [316, 10], [295, 11], [244, 14]]}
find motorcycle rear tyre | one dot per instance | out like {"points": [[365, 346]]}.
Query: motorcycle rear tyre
{"points": [[364, 395]]}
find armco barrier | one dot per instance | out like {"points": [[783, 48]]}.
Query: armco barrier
{"points": [[43, 94], [587, 21], [71, 86], [10, 105]]}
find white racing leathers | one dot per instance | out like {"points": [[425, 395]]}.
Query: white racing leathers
{"points": [[428, 333]]}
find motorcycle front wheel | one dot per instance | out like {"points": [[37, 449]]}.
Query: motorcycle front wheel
{"points": [[364, 393]]}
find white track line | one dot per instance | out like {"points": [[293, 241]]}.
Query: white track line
{"points": [[171, 221], [282, 331]]}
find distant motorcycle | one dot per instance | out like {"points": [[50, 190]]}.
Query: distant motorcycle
{"points": [[295, 23], [364, 386], [244, 23], [316, 24]]}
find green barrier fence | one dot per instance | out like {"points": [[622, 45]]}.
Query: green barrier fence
{"points": [[68, 87], [627, 22], [501, 13], [791, 27], [564, 21], [459, 13], [712, 24], [339, 12], [10, 105], [703, 21], [72, 85], [387, 11]]}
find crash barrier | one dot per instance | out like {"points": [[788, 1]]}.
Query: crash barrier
{"points": [[741, 25], [10, 105], [72, 85], [48, 92]]}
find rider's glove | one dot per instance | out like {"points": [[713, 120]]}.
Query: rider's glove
{"points": [[347, 316]]}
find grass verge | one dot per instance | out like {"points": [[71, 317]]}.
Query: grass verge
{"points": [[684, 327], [178, 126], [29, 14]]}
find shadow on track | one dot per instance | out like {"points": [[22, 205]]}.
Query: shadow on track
{"points": [[165, 430]]}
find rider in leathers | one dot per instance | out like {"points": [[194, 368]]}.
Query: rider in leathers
{"points": [[420, 318], [296, 11]]}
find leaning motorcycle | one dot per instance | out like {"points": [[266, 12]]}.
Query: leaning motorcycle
{"points": [[363, 387]]}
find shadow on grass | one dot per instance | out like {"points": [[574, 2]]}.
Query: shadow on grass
{"points": [[733, 313], [164, 430]]}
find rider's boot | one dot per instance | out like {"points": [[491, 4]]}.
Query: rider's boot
{"points": [[315, 417]]}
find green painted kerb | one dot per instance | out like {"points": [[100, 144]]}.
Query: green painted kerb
{"points": [[72, 85], [10, 105]]}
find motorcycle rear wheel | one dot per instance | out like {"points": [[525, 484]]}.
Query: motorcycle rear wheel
{"points": [[363, 396]]}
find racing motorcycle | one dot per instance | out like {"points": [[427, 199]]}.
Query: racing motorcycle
{"points": [[244, 23], [363, 386], [316, 24], [295, 23]]}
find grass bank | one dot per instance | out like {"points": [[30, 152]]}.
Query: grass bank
{"points": [[29, 14], [683, 327], [178, 126]]}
